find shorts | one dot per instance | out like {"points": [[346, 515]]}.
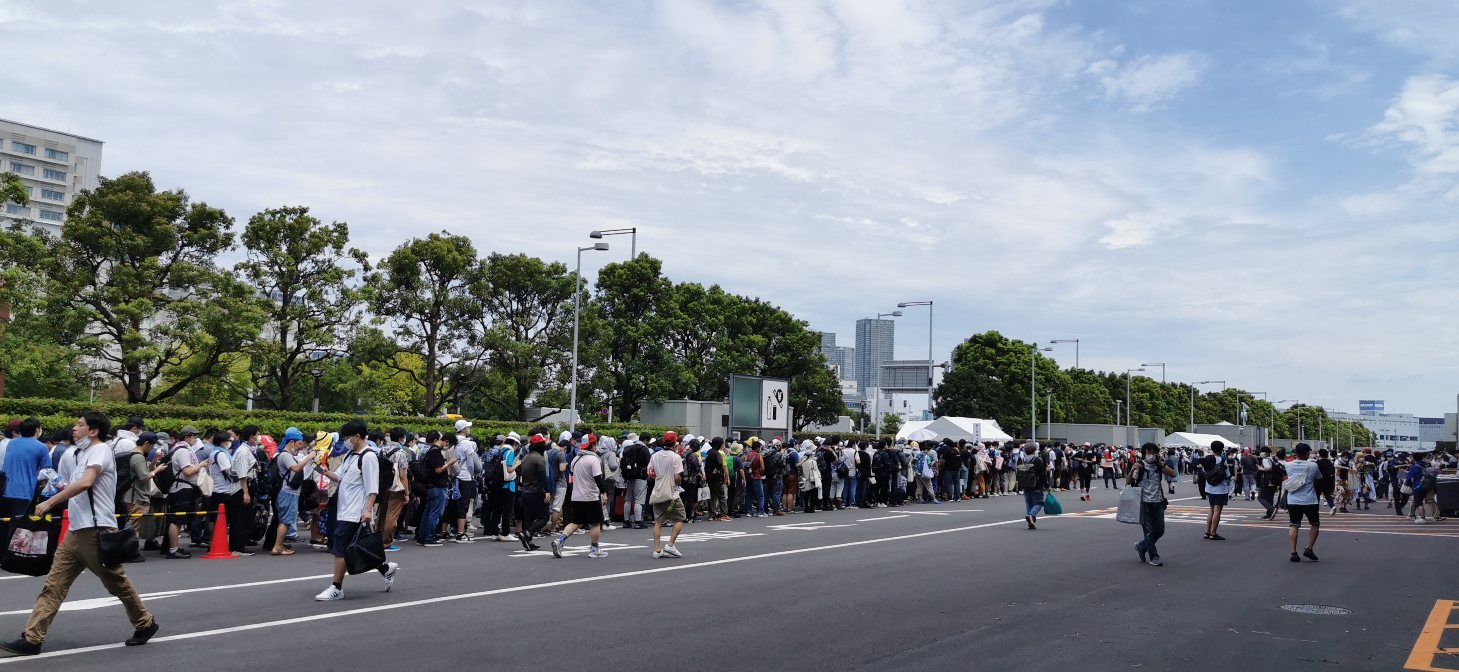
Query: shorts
{"points": [[343, 536], [559, 496], [468, 495], [181, 503], [669, 512], [1296, 511], [287, 505], [1218, 500], [584, 514]]}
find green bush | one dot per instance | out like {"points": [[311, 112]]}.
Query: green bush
{"points": [[59, 413]]}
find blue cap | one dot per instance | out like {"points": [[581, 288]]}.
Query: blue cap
{"points": [[293, 434]]}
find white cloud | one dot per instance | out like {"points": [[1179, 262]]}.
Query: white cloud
{"points": [[1146, 82], [1425, 116]]}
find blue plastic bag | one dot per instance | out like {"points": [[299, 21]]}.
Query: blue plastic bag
{"points": [[1051, 505]]}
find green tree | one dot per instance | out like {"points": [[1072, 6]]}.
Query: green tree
{"points": [[134, 271], [890, 423], [695, 327], [300, 268], [12, 189], [33, 361], [423, 291], [990, 379], [629, 355], [525, 326]]}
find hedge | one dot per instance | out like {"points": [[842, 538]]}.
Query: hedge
{"points": [[59, 413]]}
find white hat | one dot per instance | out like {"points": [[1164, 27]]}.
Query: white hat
{"points": [[462, 424], [631, 438], [514, 438], [564, 436], [688, 438]]}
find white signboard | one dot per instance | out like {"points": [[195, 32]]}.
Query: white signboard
{"points": [[774, 404]]}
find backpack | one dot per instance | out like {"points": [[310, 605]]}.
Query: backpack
{"points": [[124, 481], [1216, 475], [1429, 480], [775, 465], [387, 471], [1248, 464], [1028, 472], [494, 468], [843, 472], [635, 462], [166, 478], [419, 472]]}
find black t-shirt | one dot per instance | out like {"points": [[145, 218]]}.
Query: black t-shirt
{"points": [[435, 460], [532, 473], [952, 460]]}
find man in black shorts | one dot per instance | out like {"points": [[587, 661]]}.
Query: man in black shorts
{"points": [[1302, 475], [585, 500]]}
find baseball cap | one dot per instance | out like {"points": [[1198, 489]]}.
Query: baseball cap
{"points": [[670, 436], [536, 439], [147, 437], [462, 424], [293, 434], [564, 436], [13, 425], [188, 430], [589, 439], [689, 438]]}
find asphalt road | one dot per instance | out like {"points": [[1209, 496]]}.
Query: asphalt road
{"points": [[923, 587]]}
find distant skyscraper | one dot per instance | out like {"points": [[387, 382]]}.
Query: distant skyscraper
{"points": [[875, 340], [842, 360]]}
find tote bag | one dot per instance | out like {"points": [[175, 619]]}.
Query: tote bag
{"points": [[1129, 511], [30, 546], [365, 552]]}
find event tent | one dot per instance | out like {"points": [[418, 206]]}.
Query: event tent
{"points": [[965, 428], [912, 426], [1193, 440]]}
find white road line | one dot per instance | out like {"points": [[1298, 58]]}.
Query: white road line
{"points": [[19, 576], [499, 591], [98, 602], [867, 520]]}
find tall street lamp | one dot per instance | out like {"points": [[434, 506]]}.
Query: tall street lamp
{"points": [[1075, 341], [1128, 405], [1193, 397], [908, 304], [631, 231], [577, 294], [1033, 395], [1162, 370], [876, 379]]}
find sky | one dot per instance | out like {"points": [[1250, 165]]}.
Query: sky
{"points": [[1260, 192]]}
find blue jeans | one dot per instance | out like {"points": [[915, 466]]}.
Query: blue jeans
{"points": [[848, 492], [431, 518], [1152, 521], [863, 489], [777, 489], [951, 487], [756, 496], [1033, 500]]}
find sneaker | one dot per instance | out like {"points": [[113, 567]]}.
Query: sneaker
{"points": [[1029, 520], [1154, 561], [435, 543], [318, 546], [20, 647], [595, 554], [330, 594], [671, 551], [1141, 550], [1295, 558], [525, 540], [242, 554], [1420, 521], [656, 554], [608, 526], [391, 569], [140, 637], [557, 546], [391, 548], [178, 554], [1309, 555], [463, 539]]}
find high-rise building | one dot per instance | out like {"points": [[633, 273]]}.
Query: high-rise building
{"points": [[875, 340], [1399, 431], [841, 359], [53, 165]]}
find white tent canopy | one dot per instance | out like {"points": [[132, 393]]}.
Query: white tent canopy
{"points": [[912, 426], [1193, 440], [969, 429]]}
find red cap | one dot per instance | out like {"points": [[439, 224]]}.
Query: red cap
{"points": [[589, 439], [670, 437], [536, 438]]}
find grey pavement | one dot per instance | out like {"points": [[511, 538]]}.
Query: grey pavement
{"points": [[958, 586]]}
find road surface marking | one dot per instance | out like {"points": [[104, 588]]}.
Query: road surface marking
{"points": [[1429, 645], [867, 520], [316, 618], [99, 602]]}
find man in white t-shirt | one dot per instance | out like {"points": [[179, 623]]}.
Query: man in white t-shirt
{"points": [[1302, 476], [666, 470], [184, 497], [93, 513], [358, 477], [584, 502]]}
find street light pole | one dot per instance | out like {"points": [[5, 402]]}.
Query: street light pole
{"points": [[906, 304], [632, 233], [577, 295], [1162, 370], [1075, 341]]}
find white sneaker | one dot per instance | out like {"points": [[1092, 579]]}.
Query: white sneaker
{"points": [[463, 539], [1420, 521], [657, 554], [330, 594], [608, 527], [669, 550], [595, 553], [389, 575]]}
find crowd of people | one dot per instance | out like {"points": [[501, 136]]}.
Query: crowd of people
{"points": [[444, 487]]}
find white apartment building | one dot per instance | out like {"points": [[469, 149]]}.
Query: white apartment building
{"points": [[1399, 431], [54, 166]]}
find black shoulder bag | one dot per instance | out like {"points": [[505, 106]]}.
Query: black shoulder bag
{"points": [[118, 545]]}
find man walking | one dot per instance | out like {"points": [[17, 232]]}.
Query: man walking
{"points": [[1302, 475], [635, 470], [1146, 476], [1268, 481], [358, 477], [81, 549], [1032, 476], [585, 499], [666, 468], [1217, 473]]}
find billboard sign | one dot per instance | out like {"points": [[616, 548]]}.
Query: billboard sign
{"points": [[758, 403], [1370, 406]]}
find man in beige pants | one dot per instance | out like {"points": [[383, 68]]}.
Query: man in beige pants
{"points": [[92, 513]]}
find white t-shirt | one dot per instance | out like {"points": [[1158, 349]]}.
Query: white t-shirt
{"points": [[223, 484], [359, 477], [586, 467], [664, 464], [102, 498], [1225, 487], [182, 458]]}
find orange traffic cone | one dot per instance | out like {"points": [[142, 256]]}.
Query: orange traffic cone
{"points": [[65, 525], [219, 548]]}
